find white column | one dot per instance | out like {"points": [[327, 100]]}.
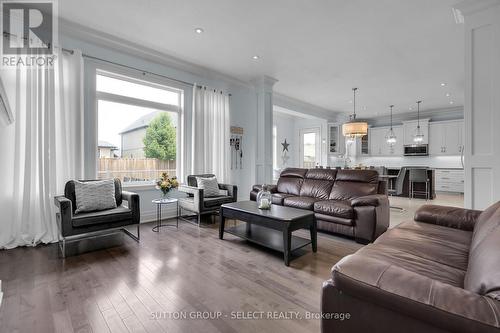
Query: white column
{"points": [[264, 151], [482, 101]]}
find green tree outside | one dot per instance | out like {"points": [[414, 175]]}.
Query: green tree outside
{"points": [[160, 139]]}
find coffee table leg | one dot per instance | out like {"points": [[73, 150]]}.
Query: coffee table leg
{"points": [[314, 235], [287, 239], [221, 224]]}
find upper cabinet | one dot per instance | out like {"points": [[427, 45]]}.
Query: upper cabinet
{"points": [[335, 140], [378, 143], [409, 128], [446, 137]]}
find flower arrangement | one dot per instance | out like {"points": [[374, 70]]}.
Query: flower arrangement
{"points": [[165, 184]]}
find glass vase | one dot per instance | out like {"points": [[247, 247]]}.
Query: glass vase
{"points": [[264, 198]]}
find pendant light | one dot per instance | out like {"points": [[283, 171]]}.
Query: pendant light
{"points": [[354, 129], [418, 136], [390, 138]]}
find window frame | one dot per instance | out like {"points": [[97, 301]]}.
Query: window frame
{"points": [[133, 76]]}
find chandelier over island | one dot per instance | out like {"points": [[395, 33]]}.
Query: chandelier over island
{"points": [[418, 136], [390, 137], [354, 129]]}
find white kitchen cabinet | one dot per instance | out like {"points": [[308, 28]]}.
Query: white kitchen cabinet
{"points": [[446, 137], [377, 138], [450, 180], [378, 143], [409, 128], [336, 144]]}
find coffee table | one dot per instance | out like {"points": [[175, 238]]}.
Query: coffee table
{"points": [[270, 228]]}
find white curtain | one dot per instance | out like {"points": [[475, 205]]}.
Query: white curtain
{"points": [[41, 149], [210, 133]]}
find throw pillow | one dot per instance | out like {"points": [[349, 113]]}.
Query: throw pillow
{"points": [[95, 195], [210, 186]]}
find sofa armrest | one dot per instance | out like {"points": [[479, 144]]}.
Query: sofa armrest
{"points": [[370, 200], [416, 296], [195, 191], [452, 217], [197, 194], [133, 204], [232, 190], [272, 188], [65, 214]]}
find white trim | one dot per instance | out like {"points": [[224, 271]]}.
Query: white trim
{"points": [[94, 68], [136, 101]]}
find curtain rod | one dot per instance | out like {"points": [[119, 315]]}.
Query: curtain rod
{"points": [[8, 34], [137, 69]]}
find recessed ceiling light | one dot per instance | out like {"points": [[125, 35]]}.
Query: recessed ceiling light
{"points": [[364, 107], [451, 102], [199, 30], [411, 108], [448, 94], [350, 102], [443, 84], [256, 57]]}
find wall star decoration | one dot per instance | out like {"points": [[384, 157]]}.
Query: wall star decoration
{"points": [[285, 145]]}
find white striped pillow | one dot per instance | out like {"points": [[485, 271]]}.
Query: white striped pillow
{"points": [[210, 186]]}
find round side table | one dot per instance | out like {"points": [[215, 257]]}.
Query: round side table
{"points": [[159, 205]]}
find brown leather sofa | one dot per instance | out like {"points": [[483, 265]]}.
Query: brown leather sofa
{"points": [[348, 202], [439, 273]]}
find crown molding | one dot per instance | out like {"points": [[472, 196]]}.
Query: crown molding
{"points": [[451, 113], [469, 7], [296, 105], [264, 82], [92, 36]]}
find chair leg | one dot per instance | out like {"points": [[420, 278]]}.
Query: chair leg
{"points": [[62, 247], [134, 237]]}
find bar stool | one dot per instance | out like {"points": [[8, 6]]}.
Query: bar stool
{"points": [[419, 175]]}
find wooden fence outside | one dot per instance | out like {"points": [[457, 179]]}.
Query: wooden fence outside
{"points": [[134, 169]]}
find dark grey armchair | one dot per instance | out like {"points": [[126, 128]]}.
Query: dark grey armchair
{"points": [[199, 205], [76, 226]]}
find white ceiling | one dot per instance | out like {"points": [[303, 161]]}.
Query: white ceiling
{"points": [[395, 51]]}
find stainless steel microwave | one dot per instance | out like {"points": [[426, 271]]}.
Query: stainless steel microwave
{"points": [[416, 150]]}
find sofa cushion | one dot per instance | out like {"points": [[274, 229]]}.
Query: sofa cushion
{"points": [[278, 198], [217, 201], [334, 219], [350, 184], [300, 202], [483, 274], [293, 172], [119, 213], [69, 192], [316, 188], [337, 208], [403, 257], [321, 174], [444, 245], [289, 185], [95, 196]]}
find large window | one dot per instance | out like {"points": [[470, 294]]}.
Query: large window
{"points": [[137, 128]]}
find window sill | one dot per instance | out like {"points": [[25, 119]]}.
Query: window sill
{"points": [[135, 187]]}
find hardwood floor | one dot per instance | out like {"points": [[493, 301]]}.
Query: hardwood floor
{"points": [[135, 287]]}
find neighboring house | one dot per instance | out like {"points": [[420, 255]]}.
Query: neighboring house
{"points": [[133, 135], [106, 149]]}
